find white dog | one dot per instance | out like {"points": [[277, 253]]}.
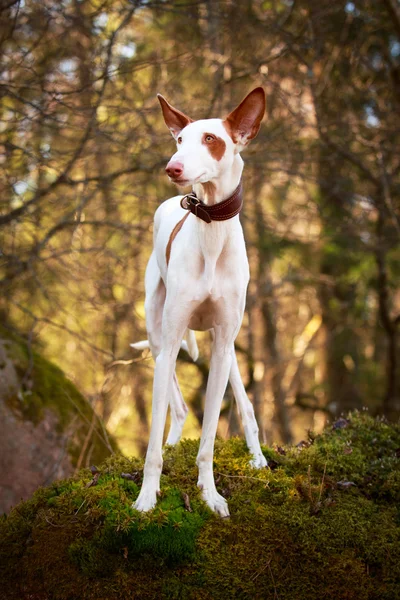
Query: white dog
{"points": [[196, 279]]}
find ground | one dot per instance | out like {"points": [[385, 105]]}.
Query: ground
{"points": [[323, 522]]}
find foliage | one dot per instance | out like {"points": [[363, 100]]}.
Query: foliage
{"points": [[322, 523], [83, 171]]}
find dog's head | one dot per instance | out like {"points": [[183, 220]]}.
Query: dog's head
{"points": [[207, 148]]}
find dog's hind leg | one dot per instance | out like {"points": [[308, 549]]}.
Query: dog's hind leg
{"points": [[247, 415], [179, 412], [246, 412], [154, 304]]}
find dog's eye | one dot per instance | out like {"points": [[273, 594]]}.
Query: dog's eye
{"points": [[209, 138], [179, 140]]}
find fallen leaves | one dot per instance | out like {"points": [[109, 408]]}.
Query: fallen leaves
{"points": [[340, 423], [345, 485], [186, 502], [131, 476], [96, 475]]}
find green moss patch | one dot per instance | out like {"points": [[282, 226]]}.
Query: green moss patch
{"points": [[42, 387], [323, 523]]}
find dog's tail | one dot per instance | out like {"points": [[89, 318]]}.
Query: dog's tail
{"points": [[190, 345], [143, 345]]}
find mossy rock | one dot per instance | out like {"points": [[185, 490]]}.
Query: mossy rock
{"points": [[48, 427], [322, 523]]}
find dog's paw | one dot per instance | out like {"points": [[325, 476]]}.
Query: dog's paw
{"points": [[258, 461], [215, 501], [146, 500]]}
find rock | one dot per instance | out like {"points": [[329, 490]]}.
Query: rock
{"points": [[48, 428]]}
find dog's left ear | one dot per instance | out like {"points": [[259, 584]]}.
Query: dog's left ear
{"points": [[244, 122], [174, 119]]}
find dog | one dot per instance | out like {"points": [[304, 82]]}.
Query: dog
{"points": [[196, 279]]}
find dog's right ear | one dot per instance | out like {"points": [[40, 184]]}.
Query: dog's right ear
{"points": [[174, 119]]}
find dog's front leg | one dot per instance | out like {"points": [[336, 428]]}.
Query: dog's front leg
{"points": [[165, 364], [217, 381], [174, 326]]}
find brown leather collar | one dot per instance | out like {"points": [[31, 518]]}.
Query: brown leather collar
{"points": [[217, 212]]}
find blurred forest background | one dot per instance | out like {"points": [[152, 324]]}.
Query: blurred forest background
{"points": [[83, 148]]}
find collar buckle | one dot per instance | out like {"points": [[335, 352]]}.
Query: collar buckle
{"points": [[189, 200]]}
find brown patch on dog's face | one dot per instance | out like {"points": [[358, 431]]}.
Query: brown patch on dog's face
{"points": [[216, 145]]}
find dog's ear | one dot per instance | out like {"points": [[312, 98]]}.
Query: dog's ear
{"points": [[174, 119], [244, 122]]}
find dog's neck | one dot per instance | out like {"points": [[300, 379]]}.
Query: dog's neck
{"points": [[219, 189]]}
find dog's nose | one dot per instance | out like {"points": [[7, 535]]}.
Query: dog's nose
{"points": [[174, 169]]}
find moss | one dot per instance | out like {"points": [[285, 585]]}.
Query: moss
{"points": [[44, 387], [324, 523]]}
